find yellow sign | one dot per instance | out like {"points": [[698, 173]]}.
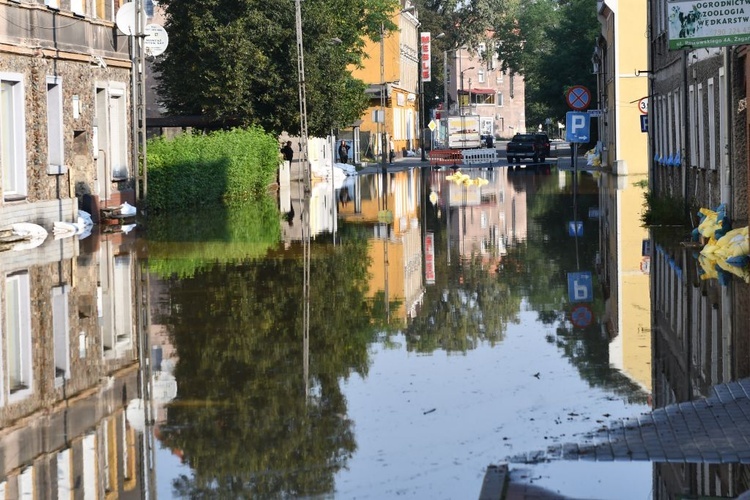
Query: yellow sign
{"points": [[432, 125]]}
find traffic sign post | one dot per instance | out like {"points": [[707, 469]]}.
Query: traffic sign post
{"points": [[643, 105], [578, 98], [577, 126], [581, 316]]}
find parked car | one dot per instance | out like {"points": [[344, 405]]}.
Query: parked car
{"points": [[534, 146]]}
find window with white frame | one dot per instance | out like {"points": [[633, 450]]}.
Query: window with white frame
{"points": [[54, 4], [12, 136], [711, 124], [65, 483], [118, 135], [669, 150], [678, 122], [701, 128], [61, 333], [123, 304], [723, 151], [693, 126], [480, 76], [55, 156], [78, 7], [499, 99], [18, 335]]}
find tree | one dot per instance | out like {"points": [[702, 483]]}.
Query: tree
{"points": [[236, 60]]}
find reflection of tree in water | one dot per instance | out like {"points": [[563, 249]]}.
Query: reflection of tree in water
{"points": [[467, 305], [242, 421]]}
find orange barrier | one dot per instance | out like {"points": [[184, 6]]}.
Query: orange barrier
{"points": [[446, 157]]}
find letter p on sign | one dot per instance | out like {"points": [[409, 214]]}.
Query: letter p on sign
{"points": [[577, 127]]}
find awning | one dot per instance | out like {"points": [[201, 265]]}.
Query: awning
{"points": [[483, 91]]}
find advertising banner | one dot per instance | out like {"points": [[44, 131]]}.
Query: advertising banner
{"points": [[425, 54], [712, 23]]}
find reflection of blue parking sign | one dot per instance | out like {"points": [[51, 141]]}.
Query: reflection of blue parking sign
{"points": [[644, 123], [580, 287], [575, 228], [577, 126]]}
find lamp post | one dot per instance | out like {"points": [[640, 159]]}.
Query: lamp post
{"points": [[461, 106], [421, 100]]}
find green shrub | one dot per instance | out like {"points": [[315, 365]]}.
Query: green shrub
{"points": [[194, 170]]}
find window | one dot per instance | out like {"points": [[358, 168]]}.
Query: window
{"points": [[55, 159], [12, 136], [693, 128], [78, 7], [678, 122], [711, 126], [53, 4], [723, 152], [61, 333], [483, 97], [118, 134], [500, 99], [64, 475], [480, 76], [18, 335], [701, 130]]}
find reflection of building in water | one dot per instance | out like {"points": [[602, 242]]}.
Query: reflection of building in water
{"points": [[624, 274], [395, 249], [700, 340], [484, 220], [70, 367]]}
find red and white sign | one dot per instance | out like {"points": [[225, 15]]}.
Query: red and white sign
{"points": [[578, 97], [581, 316], [643, 105], [429, 258], [425, 54]]}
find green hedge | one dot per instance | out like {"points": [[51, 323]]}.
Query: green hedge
{"points": [[195, 169]]}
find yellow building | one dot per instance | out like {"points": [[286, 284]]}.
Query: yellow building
{"points": [[620, 60], [391, 70]]}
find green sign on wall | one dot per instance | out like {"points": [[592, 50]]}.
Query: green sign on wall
{"points": [[712, 23]]}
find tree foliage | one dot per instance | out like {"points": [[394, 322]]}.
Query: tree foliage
{"points": [[549, 42], [236, 60]]}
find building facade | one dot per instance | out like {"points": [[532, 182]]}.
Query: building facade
{"points": [[392, 74], [477, 86], [65, 119], [697, 118]]}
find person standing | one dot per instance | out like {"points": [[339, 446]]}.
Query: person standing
{"points": [[287, 151], [392, 152], [343, 152]]}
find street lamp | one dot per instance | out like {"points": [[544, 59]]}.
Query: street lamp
{"points": [[461, 107]]}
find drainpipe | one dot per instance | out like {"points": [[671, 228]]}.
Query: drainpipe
{"points": [[725, 174]]}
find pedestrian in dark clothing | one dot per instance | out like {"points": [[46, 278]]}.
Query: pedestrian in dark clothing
{"points": [[343, 152], [287, 151]]}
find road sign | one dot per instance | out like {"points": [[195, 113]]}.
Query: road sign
{"points": [[644, 123], [581, 316], [580, 287], [578, 97], [577, 125], [643, 105], [432, 125], [575, 228]]}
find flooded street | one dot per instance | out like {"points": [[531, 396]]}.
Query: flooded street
{"points": [[393, 335]]}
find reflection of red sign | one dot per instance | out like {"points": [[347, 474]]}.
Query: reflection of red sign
{"points": [[429, 258], [581, 316]]}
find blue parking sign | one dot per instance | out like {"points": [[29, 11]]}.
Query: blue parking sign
{"points": [[575, 228], [577, 126], [580, 287]]}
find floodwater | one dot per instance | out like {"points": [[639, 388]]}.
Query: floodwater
{"points": [[389, 336]]}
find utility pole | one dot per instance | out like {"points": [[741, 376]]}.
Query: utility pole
{"points": [[383, 140]]}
